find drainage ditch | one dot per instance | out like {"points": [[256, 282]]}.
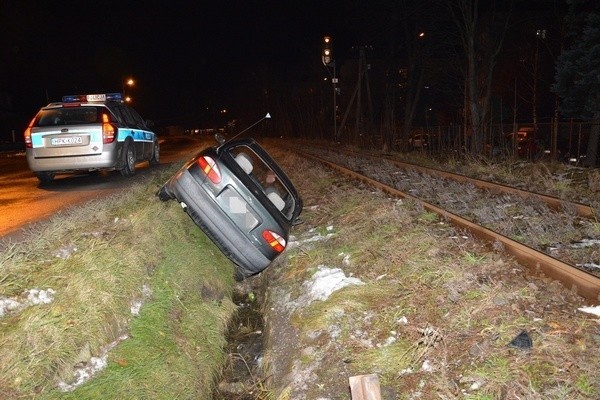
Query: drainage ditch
{"points": [[241, 377]]}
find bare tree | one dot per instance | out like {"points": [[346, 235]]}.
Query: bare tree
{"points": [[481, 31], [409, 46]]}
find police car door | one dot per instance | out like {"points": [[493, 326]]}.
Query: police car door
{"points": [[144, 136], [131, 131]]}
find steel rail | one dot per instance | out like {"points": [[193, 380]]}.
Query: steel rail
{"points": [[555, 203], [580, 282]]}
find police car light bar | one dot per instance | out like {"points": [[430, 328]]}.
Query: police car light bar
{"points": [[92, 97]]}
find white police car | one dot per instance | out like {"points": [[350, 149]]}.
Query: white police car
{"points": [[88, 133]]}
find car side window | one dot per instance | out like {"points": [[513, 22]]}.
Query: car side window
{"points": [[139, 121], [128, 118], [117, 112]]}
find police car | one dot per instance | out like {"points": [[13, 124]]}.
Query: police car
{"points": [[240, 197], [89, 132]]}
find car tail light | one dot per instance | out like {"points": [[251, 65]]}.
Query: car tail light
{"points": [[274, 240], [27, 134], [210, 168], [108, 130]]}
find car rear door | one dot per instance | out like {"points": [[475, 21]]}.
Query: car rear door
{"points": [[67, 131], [137, 130]]}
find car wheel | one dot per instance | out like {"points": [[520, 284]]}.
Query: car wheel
{"points": [[238, 276], [164, 194], [128, 162], [155, 159], [45, 177]]}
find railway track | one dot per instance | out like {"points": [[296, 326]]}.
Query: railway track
{"points": [[586, 283]]}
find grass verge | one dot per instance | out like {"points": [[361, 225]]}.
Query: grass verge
{"points": [[127, 289]]}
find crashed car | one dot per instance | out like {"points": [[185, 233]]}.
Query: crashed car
{"points": [[240, 197]]}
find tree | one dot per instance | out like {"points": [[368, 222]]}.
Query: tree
{"points": [[481, 30], [578, 68]]}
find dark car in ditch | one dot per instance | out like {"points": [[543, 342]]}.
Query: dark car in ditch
{"points": [[241, 198]]}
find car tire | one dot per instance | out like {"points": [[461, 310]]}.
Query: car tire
{"points": [[128, 160], [155, 159], [45, 178], [238, 276], [164, 194]]}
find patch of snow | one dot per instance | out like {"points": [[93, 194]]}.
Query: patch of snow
{"points": [[389, 341], [8, 305], [591, 310], [314, 238], [136, 304], [326, 281], [585, 243], [590, 266], [427, 366], [345, 259], [65, 251], [30, 297], [37, 296], [91, 368]]}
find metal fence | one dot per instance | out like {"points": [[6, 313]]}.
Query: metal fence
{"points": [[563, 141]]}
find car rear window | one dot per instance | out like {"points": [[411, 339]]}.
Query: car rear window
{"points": [[265, 178], [68, 116]]}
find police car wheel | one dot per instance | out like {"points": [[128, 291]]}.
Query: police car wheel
{"points": [[128, 167], [155, 159]]}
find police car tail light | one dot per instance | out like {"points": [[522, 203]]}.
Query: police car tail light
{"points": [[27, 134], [274, 240], [210, 168], [108, 130]]}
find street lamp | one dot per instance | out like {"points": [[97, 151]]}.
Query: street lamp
{"points": [[127, 83], [328, 61]]}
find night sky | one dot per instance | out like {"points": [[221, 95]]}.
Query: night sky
{"points": [[192, 58], [184, 55]]}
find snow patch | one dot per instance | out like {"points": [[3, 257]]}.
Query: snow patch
{"points": [[91, 368], [591, 310], [30, 297], [326, 281]]}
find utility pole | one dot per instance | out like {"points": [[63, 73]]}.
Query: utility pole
{"points": [[328, 61], [363, 69]]}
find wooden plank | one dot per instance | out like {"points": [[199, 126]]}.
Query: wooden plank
{"points": [[365, 387]]}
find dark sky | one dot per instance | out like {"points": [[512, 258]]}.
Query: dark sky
{"points": [[184, 55], [191, 58]]}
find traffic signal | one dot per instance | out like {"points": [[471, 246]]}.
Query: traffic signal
{"points": [[327, 54]]}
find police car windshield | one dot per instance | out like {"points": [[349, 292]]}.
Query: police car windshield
{"points": [[68, 116]]}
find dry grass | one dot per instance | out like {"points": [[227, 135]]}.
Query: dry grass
{"points": [[434, 316]]}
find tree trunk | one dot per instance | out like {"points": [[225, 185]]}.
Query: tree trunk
{"points": [[591, 157]]}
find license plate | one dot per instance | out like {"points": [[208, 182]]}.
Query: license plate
{"points": [[62, 141]]}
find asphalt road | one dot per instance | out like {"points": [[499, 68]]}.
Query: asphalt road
{"points": [[23, 201]]}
